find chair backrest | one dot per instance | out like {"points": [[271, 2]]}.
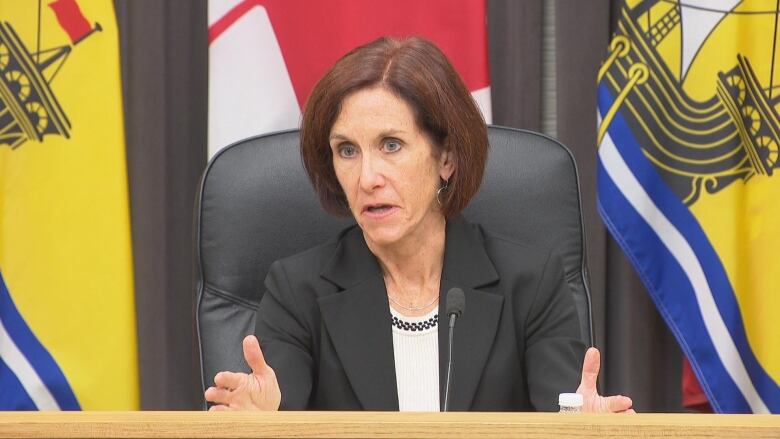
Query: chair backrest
{"points": [[256, 205]]}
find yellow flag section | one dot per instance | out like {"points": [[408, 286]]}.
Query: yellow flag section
{"points": [[742, 219], [67, 316]]}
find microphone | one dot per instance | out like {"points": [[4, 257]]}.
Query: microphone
{"points": [[456, 304]]}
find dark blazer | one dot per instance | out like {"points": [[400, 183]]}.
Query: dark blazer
{"points": [[325, 327]]}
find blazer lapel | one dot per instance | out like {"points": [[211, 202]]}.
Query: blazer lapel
{"points": [[357, 320], [468, 267]]}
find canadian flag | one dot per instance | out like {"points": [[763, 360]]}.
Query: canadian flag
{"points": [[266, 55]]}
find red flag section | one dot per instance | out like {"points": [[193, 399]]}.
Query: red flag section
{"points": [[312, 35], [266, 55], [71, 19]]}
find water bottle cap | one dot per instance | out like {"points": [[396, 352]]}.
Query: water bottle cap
{"points": [[570, 400]]}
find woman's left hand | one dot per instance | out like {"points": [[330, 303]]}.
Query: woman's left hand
{"points": [[593, 402]]}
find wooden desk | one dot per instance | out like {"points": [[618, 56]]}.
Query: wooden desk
{"points": [[380, 425]]}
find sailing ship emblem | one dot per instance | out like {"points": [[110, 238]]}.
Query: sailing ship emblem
{"points": [[29, 109], [702, 143]]}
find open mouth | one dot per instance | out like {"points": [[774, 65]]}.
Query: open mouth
{"points": [[378, 209]]}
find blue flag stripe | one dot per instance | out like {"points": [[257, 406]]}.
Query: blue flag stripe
{"points": [[662, 274], [13, 396], [647, 261], [36, 354]]}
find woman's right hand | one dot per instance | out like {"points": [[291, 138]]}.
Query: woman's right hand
{"points": [[258, 390]]}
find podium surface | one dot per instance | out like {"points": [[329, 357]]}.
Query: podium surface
{"points": [[379, 425]]}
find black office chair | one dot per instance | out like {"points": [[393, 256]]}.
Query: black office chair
{"points": [[256, 205]]}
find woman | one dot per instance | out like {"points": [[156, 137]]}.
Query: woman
{"points": [[391, 136]]}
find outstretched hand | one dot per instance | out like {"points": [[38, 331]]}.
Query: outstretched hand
{"points": [[258, 390], [593, 402]]}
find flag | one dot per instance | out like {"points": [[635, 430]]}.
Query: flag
{"points": [[266, 55], [71, 19], [67, 317], [688, 102]]}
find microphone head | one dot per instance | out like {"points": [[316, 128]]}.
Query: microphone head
{"points": [[456, 302]]}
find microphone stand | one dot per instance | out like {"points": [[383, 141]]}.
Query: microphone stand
{"points": [[453, 317]]}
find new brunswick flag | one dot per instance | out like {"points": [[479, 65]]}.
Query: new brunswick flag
{"points": [[67, 325], [688, 104]]}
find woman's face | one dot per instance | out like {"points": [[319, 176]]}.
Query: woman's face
{"points": [[387, 167]]}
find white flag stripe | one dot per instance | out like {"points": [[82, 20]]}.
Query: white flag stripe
{"points": [[25, 373], [482, 97], [636, 195], [250, 91]]}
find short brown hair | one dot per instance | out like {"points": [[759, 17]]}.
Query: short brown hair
{"points": [[416, 71]]}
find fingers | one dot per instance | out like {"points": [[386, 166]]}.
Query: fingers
{"points": [[217, 395], [593, 402], [618, 404], [229, 380], [253, 355], [219, 408], [590, 371]]}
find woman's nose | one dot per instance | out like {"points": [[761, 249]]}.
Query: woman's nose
{"points": [[371, 175]]}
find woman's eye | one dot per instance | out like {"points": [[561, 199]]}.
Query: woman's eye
{"points": [[347, 150], [392, 145]]}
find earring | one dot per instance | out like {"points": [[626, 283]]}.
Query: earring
{"points": [[441, 189]]}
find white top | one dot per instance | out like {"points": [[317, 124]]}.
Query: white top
{"points": [[416, 352]]}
